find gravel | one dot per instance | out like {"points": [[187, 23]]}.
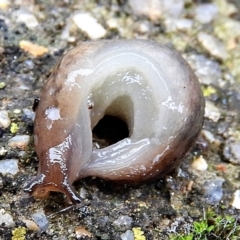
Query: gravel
{"points": [[9, 166], [33, 37]]}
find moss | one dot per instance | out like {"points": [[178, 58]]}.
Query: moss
{"points": [[14, 128], [2, 85], [208, 91], [213, 226], [138, 234], [19, 233]]}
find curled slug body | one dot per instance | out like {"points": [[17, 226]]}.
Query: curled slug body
{"points": [[147, 85]]}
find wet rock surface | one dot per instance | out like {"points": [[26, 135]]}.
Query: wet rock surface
{"points": [[209, 42]]}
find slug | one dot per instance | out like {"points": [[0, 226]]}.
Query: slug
{"points": [[147, 85]]}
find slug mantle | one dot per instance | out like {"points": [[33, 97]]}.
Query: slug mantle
{"points": [[147, 85]]}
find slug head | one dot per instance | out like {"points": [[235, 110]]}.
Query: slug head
{"points": [[52, 138], [40, 187]]}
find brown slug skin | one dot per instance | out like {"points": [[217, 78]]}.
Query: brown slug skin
{"points": [[147, 85]]}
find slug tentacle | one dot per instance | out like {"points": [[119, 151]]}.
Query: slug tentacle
{"points": [[148, 86]]}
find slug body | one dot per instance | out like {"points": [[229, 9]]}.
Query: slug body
{"points": [[147, 85]]}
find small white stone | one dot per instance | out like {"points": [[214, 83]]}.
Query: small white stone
{"points": [[29, 113], [89, 25], [154, 9], [6, 218], [123, 220], [41, 220], [4, 4], [112, 23], [172, 8], [213, 191], [19, 141], [83, 193], [200, 164], [150, 8], [226, 8], [209, 136], [182, 24], [206, 12], [3, 151], [235, 150], [26, 17], [236, 199], [17, 111], [128, 235], [143, 27], [9, 166], [208, 71], [4, 119], [213, 45], [212, 112]]}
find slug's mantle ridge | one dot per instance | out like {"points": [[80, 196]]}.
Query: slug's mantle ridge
{"points": [[147, 85]]}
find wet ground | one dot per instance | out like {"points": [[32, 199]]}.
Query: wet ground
{"points": [[33, 37]]}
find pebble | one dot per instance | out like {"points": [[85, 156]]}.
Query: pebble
{"points": [[4, 4], [213, 45], [123, 220], [61, 238], [128, 235], [236, 199], [209, 136], [89, 25], [29, 64], [23, 16], [143, 27], [41, 220], [82, 232], [102, 221], [150, 8], [155, 9], [6, 219], [173, 24], [213, 191], [4, 119], [226, 8], [17, 111], [112, 23], [200, 164], [231, 151], [65, 35], [206, 12], [172, 8], [227, 29], [19, 141], [208, 71], [222, 129], [31, 225], [3, 151], [83, 193], [9, 166], [34, 49], [212, 112], [24, 81], [29, 114]]}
